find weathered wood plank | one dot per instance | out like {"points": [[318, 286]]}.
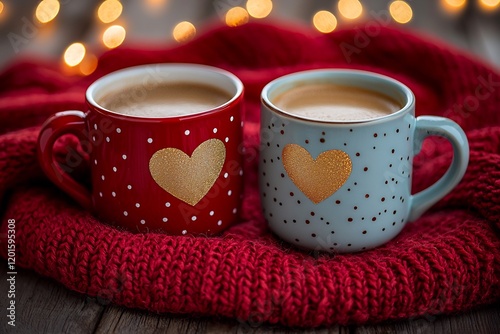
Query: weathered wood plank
{"points": [[44, 306]]}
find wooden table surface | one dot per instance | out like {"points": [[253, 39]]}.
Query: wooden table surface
{"points": [[45, 306]]}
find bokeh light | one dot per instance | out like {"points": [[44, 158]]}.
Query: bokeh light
{"points": [[74, 54], [47, 10], [325, 21], [489, 5], [259, 8], [453, 6], [109, 11], [88, 64], [113, 36], [1, 7], [236, 16], [184, 31], [350, 9], [400, 11]]}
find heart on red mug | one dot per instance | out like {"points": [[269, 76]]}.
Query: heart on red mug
{"points": [[188, 178]]}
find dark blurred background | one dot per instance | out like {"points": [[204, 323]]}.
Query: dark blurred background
{"points": [[75, 32]]}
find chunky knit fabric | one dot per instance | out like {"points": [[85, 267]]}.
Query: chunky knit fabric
{"points": [[447, 261]]}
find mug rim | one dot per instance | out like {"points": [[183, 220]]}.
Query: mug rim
{"points": [[141, 71], [357, 75]]}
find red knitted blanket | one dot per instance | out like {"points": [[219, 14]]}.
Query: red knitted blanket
{"points": [[447, 261]]}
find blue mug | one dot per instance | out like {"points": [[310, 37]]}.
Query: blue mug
{"points": [[345, 186]]}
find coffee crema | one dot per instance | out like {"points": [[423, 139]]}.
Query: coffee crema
{"points": [[165, 100], [334, 102]]}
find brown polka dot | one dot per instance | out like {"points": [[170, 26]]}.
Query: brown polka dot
{"points": [[313, 235], [312, 213], [323, 133], [367, 195], [382, 199], [307, 141], [282, 175], [291, 193], [392, 151], [364, 232], [383, 229], [307, 221], [349, 219], [355, 208], [337, 202], [284, 221], [357, 154], [365, 169], [374, 219], [282, 132], [332, 232], [348, 245], [375, 135], [322, 140]]}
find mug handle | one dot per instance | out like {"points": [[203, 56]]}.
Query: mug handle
{"points": [[61, 123], [443, 127]]}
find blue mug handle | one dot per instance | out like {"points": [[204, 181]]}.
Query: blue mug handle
{"points": [[439, 126]]}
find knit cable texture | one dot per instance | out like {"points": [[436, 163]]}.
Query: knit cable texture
{"points": [[447, 261]]}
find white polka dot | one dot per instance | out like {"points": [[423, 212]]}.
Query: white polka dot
{"points": [[241, 123], [125, 213], [114, 169], [129, 187], [184, 231], [137, 205], [231, 118], [241, 172], [143, 221], [235, 210], [113, 194], [150, 140], [165, 219], [102, 177], [187, 132], [93, 138], [118, 130], [215, 130], [95, 126], [219, 222], [167, 204], [211, 213], [100, 194], [107, 139], [95, 162], [229, 192], [124, 157], [226, 175], [194, 218], [227, 139]]}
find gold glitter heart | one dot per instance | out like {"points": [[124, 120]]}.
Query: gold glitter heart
{"points": [[317, 178], [188, 178]]}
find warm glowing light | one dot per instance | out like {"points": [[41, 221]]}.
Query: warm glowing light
{"points": [[88, 64], [1, 7], [489, 5], [109, 11], [184, 31], [74, 54], [259, 8], [325, 21], [47, 10], [401, 11], [113, 36], [350, 9], [156, 3], [453, 6], [236, 16]]}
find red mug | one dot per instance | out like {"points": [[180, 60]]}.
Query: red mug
{"points": [[178, 174]]}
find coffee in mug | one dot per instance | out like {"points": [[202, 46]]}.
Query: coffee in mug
{"points": [[164, 100], [334, 102]]}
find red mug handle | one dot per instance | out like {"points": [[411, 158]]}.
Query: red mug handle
{"points": [[61, 123]]}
